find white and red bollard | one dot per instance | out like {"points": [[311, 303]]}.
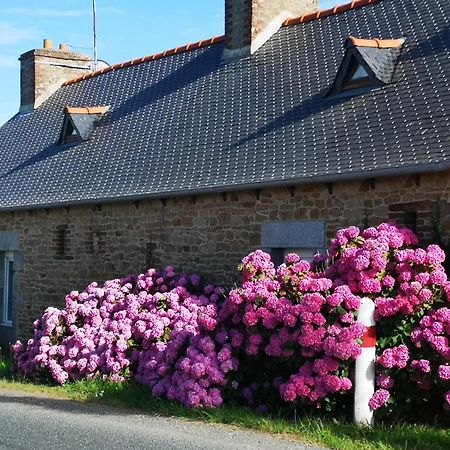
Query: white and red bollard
{"points": [[365, 365]]}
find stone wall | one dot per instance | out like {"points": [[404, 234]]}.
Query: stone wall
{"points": [[65, 248]]}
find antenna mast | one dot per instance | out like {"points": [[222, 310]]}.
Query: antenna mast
{"points": [[94, 14]]}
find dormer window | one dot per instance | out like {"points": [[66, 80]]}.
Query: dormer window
{"points": [[367, 64], [79, 123]]}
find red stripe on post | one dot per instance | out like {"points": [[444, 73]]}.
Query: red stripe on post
{"points": [[369, 338]]}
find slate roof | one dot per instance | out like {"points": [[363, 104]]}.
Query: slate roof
{"points": [[187, 123]]}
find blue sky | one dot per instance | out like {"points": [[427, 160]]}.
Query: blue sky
{"points": [[126, 29]]}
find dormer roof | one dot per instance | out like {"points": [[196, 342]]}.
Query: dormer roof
{"points": [[372, 60], [79, 123]]}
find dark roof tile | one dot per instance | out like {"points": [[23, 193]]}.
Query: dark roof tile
{"points": [[188, 123]]}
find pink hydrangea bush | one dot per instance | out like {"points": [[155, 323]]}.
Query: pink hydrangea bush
{"points": [[286, 335], [411, 292], [418, 372], [294, 329], [384, 263], [149, 328]]}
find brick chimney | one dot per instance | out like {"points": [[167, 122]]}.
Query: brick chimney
{"points": [[43, 71], [249, 24]]}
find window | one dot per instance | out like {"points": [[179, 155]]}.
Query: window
{"points": [[7, 291], [414, 215], [410, 220], [306, 254], [357, 77], [304, 237], [62, 242], [69, 134], [359, 73]]}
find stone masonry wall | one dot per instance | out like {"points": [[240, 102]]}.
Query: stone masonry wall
{"points": [[66, 248]]}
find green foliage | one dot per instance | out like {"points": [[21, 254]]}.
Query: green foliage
{"points": [[5, 368]]}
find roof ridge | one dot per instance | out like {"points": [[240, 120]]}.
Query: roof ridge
{"points": [[374, 42], [87, 109], [133, 62], [328, 12], [216, 39]]}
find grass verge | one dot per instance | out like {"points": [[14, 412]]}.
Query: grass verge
{"points": [[328, 433]]}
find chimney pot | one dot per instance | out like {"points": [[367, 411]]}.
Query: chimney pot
{"points": [[64, 47], [48, 43]]}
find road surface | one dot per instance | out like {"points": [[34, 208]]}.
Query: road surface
{"points": [[32, 421]]}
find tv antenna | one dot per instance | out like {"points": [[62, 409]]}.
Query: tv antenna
{"points": [[94, 16]]}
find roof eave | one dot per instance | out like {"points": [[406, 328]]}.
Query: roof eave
{"points": [[332, 178]]}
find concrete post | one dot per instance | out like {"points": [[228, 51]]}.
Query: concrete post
{"points": [[365, 365]]}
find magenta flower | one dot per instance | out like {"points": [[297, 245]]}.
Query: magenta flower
{"points": [[384, 381], [422, 365], [444, 372], [379, 398]]}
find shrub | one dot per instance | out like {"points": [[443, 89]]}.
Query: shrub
{"points": [[295, 325], [411, 292], [286, 335], [293, 329], [149, 327]]}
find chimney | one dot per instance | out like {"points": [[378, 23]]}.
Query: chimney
{"points": [[43, 71], [249, 24]]}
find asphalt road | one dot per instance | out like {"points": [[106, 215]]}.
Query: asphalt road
{"points": [[30, 421]]}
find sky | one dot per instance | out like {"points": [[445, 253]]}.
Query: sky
{"points": [[126, 29]]}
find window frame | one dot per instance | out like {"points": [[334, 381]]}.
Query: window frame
{"points": [[7, 294], [350, 82], [69, 134], [344, 86], [280, 236]]}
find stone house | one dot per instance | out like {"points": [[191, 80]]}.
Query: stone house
{"points": [[295, 123]]}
